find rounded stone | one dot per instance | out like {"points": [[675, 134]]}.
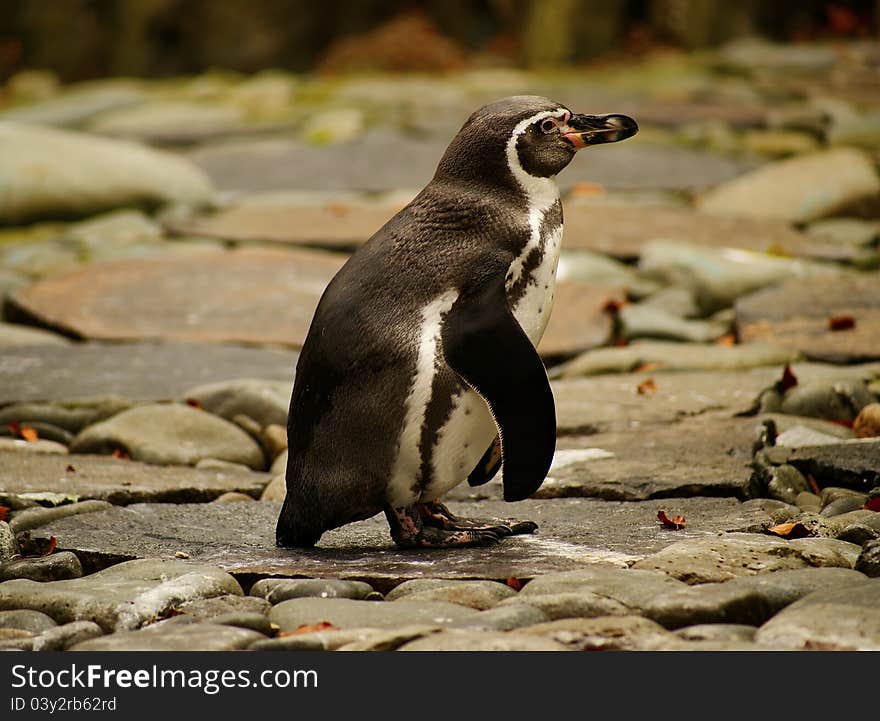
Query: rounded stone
{"points": [[62, 637], [867, 423], [26, 620], [233, 497], [868, 561], [843, 505], [8, 544], [505, 618], [480, 595], [276, 590], [264, 401], [170, 434], [277, 489], [717, 632], [55, 567], [481, 641]]}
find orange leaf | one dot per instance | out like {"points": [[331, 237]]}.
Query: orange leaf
{"points": [[337, 209], [14, 428], [613, 306], [121, 454], [647, 387], [873, 504], [789, 379], [647, 367], [514, 583], [310, 628], [4, 513], [841, 322], [29, 434], [52, 543], [726, 340], [587, 190], [813, 485], [194, 403], [676, 522], [795, 529]]}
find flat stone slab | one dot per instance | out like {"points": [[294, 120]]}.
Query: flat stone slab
{"points": [[248, 295], [138, 371], [623, 230], [240, 539], [646, 462], [175, 634], [118, 481], [797, 313], [388, 160]]}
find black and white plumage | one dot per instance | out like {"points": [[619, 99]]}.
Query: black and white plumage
{"points": [[419, 370]]}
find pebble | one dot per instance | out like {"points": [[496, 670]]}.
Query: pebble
{"points": [[457, 640], [276, 490], [13, 334], [62, 637], [121, 597], [480, 595], [640, 321], [175, 634], [390, 640], [255, 621], [717, 632], [844, 619], [347, 613], [808, 502], [35, 517], [276, 590], [316, 640], [787, 483], [38, 446], [607, 633], [170, 434], [868, 561], [843, 505], [233, 497], [574, 604], [504, 618], [209, 608], [265, 401], [838, 401], [867, 422], [24, 620], [55, 567], [8, 544]]}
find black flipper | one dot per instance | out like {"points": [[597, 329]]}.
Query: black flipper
{"points": [[485, 345], [488, 465]]}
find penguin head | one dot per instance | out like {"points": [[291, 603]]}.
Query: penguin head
{"points": [[528, 134]]}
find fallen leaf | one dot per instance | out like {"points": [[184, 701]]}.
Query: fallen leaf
{"points": [[337, 209], [789, 379], [514, 583], [726, 340], [587, 190], [676, 522], [620, 342], [4, 513], [29, 434], [309, 628], [14, 428], [647, 387], [194, 403], [841, 322], [52, 543], [612, 306], [70, 469], [794, 529], [813, 485], [118, 453], [873, 504]]}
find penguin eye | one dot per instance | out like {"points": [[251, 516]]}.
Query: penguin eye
{"points": [[548, 126]]}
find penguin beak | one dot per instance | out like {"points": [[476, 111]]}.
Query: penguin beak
{"points": [[584, 130]]}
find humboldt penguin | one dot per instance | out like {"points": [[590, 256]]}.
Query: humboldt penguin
{"points": [[419, 370]]}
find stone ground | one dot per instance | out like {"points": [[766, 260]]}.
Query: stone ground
{"points": [[714, 354]]}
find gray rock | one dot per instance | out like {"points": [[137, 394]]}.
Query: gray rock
{"points": [[717, 632], [646, 322], [55, 567], [799, 436], [328, 640], [241, 619], [35, 517], [504, 618], [799, 189], [831, 494], [208, 609], [32, 476], [276, 490], [263, 400], [868, 561], [38, 259], [165, 122], [233, 497], [786, 483], [808, 502], [458, 640], [120, 597], [571, 604], [8, 545], [61, 638], [136, 371], [707, 560], [843, 505], [8, 446], [676, 301], [13, 334], [390, 640], [347, 613], [481, 595], [851, 463], [859, 534], [276, 590], [749, 600], [176, 636], [81, 174], [73, 107], [170, 434], [673, 357], [609, 633], [840, 401], [831, 619], [24, 620]]}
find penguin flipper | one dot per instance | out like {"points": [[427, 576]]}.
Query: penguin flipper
{"points": [[485, 345], [487, 466]]}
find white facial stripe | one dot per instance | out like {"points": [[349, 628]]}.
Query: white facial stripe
{"points": [[541, 193], [406, 467]]}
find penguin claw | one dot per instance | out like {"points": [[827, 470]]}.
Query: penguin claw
{"points": [[432, 525]]}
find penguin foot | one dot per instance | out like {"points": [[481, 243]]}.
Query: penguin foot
{"points": [[409, 530], [437, 514]]}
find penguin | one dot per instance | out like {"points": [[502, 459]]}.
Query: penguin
{"points": [[419, 370]]}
